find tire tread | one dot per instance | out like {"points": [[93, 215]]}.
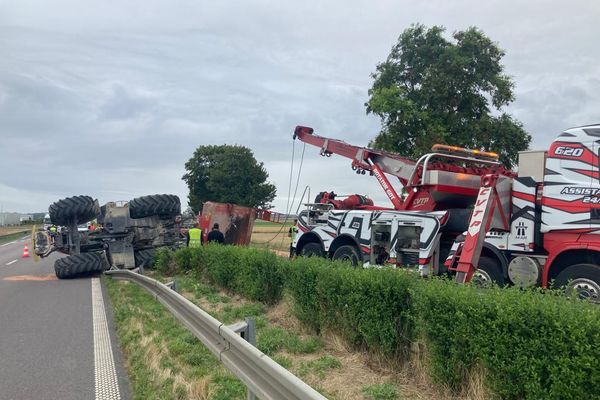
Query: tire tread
{"points": [[78, 264], [167, 205], [76, 208], [144, 258]]}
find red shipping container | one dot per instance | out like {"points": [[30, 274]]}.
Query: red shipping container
{"points": [[236, 222]]}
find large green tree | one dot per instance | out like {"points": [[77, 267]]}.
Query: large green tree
{"points": [[433, 90], [227, 174]]}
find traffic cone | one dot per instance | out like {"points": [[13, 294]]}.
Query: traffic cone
{"points": [[25, 251]]}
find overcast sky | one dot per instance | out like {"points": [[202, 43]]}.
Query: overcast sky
{"points": [[110, 98]]}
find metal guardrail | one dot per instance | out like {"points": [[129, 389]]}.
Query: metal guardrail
{"points": [[264, 377]]}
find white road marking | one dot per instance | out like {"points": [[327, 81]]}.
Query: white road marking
{"points": [[12, 262], [107, 386], [6, 244]]}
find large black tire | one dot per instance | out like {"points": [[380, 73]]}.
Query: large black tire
{"points": [[581, 281], [348, 253], [78, 264], [444, 252], [144, 258], [488, 272], [74, 209], [312, 250], [458, 220], [164, 205]]}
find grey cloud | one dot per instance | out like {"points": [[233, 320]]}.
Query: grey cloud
{"points": [[124, 104], [112, 100], [556, 104]]}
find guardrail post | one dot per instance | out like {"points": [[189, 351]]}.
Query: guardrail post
{"points": [[250, 337], [251, 331]]}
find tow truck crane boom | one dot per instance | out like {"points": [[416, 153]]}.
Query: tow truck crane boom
{"points": [[376, 162], [448, 177]]}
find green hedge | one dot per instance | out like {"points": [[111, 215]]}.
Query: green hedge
{"points": [[370, 308], [532, 345], [255, 274]]}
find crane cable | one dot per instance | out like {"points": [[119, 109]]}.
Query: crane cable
{"points": [[296, 189], [288, 206]]}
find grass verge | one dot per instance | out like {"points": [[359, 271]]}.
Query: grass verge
{"points": [[163, 359], [13, 236]]}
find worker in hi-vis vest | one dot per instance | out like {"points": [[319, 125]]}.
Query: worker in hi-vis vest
{"points": [[53, 232], [195, 236], [293, 231]]}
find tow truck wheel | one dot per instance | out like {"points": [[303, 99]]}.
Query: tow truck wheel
{"points": [[348, 253], [581, 281], [488, 272], [78, 264], [80, 208], [312, 250]]}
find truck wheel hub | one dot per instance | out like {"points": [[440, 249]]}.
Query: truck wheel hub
{"points": [[584, 289], [481, 278]]}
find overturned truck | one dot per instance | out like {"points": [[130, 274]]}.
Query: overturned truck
{"points": [[125, 236]]}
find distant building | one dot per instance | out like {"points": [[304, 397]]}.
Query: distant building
{"points": [[12, 218], [8, 218]]}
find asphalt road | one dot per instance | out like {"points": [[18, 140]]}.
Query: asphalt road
{"points": [[48, 347]]}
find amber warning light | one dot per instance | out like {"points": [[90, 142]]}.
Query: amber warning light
{"points": [[466, 152]]}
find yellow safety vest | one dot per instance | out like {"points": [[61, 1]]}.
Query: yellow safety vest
{"points": [[195, 237]]}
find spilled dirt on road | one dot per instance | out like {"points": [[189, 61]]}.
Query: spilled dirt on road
{"points": [[50, 277]]}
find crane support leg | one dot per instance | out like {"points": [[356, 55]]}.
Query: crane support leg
{"points": [[479, 224], [387, 187]]}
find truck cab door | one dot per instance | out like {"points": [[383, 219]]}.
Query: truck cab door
{"points": [[571, 166], [568, 184], [594, 197]]}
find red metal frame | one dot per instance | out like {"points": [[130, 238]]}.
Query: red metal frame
{"points": [[388, 188], [467, 256]]}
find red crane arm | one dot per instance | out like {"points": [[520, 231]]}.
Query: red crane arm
{"points": [[362, 157]]}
